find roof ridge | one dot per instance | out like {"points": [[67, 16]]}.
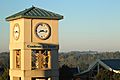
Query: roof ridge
{"points": [[48, 11], [29, 9]]}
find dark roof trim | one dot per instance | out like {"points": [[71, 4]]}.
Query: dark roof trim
{"points": [[34, 17]]}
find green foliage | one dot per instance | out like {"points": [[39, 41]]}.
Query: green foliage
{"points": [[5, 74], [65, 73], [103, 75], [116, 76], [4, 64], [107, 75]]}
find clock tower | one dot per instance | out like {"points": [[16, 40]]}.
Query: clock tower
{"points": [[34, 45]]}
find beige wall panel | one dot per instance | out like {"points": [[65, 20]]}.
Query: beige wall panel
{"points": [[53, 39]]}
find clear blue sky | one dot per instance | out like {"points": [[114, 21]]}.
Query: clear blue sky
{"points": [[87, 24]]}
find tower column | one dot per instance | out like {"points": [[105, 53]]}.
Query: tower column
{"points": [[26, 78], [11, 77], [54, 63], [26, 59], [12, 59], [14, 78]]}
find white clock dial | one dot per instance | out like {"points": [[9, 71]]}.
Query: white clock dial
{"points": [[43, 31], [16, 32]]}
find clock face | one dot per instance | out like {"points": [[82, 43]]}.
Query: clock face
{"points": [[16, 31], [43, 31]]}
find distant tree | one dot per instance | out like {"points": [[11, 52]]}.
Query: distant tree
{"points": [[107, 75], [5, 74], [116, 76], [103, 75], [4, 65], [65, 73]]}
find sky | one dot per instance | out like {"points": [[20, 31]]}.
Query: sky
{"points": [[87, 25]]}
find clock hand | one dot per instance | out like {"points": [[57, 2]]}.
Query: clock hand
{"points": [[43, 31]]}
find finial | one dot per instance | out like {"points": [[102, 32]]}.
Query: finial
{"points": [[32, 5]]}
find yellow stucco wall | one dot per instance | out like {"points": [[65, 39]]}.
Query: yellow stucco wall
{"points": [[28, 37]]}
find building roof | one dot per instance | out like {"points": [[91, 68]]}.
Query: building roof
{"points": [[35, 13], [113, 63], [109, 64]]}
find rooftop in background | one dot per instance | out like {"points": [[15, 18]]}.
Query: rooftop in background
{"points": [[35, 13], [112, 63], [109, 64]]}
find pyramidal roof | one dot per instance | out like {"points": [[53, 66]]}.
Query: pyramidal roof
{"points": [[35, 13]]}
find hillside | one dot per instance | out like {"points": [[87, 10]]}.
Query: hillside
{"points": [[84, 59]]}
